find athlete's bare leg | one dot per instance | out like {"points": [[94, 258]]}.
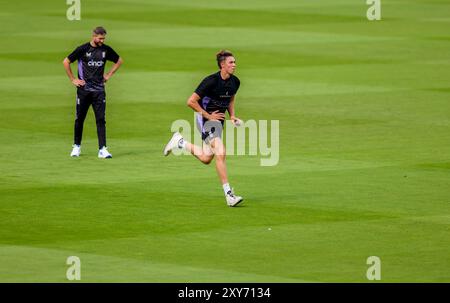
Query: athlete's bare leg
{"points": [[204, 154], [218, 149]]}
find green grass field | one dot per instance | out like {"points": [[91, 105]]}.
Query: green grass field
{"points": [[364, 164]]}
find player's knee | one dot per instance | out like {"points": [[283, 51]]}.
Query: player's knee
{"points": [[101, 121], [79, 121], [220, 157], [220, 153], [206, 160], [80, 118]]}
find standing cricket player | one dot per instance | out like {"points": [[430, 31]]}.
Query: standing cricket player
{"points": [[213, 97], [90, 83]]}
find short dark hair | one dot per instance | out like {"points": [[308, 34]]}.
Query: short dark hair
{"points": [[99, 30], [222, 55]]}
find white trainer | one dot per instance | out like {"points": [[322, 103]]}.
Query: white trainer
{"points": [[232, 199], [76, 151], [173, 143], [104, 153]]}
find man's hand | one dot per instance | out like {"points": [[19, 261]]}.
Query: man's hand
{"points": [[216, 116], [236, 121], [78, 82], [114, 68], [106, 77]]}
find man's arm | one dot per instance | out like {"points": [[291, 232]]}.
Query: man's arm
{"points": [[75, 81], [113, 69], [193, 103], [236, 121]]}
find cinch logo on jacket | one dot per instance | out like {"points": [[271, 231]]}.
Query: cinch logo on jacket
{"points": [[95, 63]]}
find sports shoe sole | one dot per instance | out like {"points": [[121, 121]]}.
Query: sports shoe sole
{"points": [[165, 147], [234, 205]]}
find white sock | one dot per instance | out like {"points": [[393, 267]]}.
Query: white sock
{"points": [[182, 143], [226, 188]]}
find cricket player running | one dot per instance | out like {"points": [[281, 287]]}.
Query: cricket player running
{"points": [[212, 98], [90, 83]]}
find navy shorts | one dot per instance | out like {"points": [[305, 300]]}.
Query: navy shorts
{"points": [[209, 129]]}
